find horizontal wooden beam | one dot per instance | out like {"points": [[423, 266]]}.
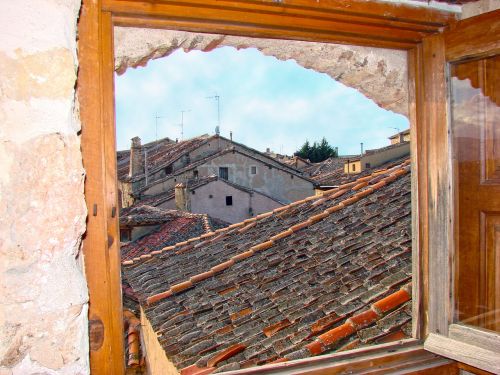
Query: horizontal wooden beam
{"points": [[402, 15], [464, 352], [356, 22], [259, 31]]}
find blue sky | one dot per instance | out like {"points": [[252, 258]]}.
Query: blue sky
{"points": [[264, 102]]}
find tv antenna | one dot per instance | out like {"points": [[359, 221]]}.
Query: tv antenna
{"points": [[217, 98], [156, 125], [182, 122], [397, 129]]}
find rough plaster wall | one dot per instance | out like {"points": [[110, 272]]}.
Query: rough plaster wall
{"points": [[479, 7], [379, 74], [43, 293]]}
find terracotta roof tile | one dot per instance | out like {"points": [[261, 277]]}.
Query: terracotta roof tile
{"points": [[225, 354], [272, 329]]}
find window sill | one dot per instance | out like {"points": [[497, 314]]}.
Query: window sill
{"points": [[472, 346]]}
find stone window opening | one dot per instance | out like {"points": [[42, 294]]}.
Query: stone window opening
{"points": [[229, 200]]}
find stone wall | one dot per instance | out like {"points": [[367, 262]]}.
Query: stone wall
{"points": [[43, 293]]}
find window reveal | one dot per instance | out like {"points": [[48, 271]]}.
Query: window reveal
{"points": [[224, 173]]}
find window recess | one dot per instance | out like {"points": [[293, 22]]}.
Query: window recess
{"points": [[305, 20]]}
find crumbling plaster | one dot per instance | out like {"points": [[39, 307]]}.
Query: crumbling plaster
{"points": [[43, 292], [379, 74]]}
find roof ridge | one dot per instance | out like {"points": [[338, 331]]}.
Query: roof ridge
{"points": [[206, 224], [321, 343], [353, 324], [358, 185], [332, 193]]}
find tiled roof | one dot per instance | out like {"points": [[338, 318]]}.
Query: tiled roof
{"points": [[164, 152], [160, 153], [177, 227], [144, 214], [323, 274], [337, 176], [292, 161], [326, 166]]}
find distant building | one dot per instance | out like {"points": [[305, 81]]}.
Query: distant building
{"points": [[400, 137], [157, 167], [377, 157]]}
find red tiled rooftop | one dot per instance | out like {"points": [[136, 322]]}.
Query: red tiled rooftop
{"points": [[323, 274]]}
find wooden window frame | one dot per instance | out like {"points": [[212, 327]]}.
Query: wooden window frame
{"points": [[467, 344], [356, 22]]}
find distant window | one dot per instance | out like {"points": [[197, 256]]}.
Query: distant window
{"points": [[210, 196], [125, 235], [168, 169], [193, 192], [291, 176], [367, 165], [270, 167], [229, 200], [224, 173], [253, 170], [354, 167], [195, 173]]}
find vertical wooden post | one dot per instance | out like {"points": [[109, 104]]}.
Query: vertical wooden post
{"points": [[436, 154], [100, 246], [419, 191]]}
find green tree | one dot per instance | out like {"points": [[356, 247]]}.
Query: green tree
{"points": [[317, 152]]}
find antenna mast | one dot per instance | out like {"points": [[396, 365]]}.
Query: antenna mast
{"points": [[217, 98], [156, 125], [182, 122]]}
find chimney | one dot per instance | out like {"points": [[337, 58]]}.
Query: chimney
{"points": [[268, 150], [136, 158], [401, 137], [182, 201], [231, 135]]}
